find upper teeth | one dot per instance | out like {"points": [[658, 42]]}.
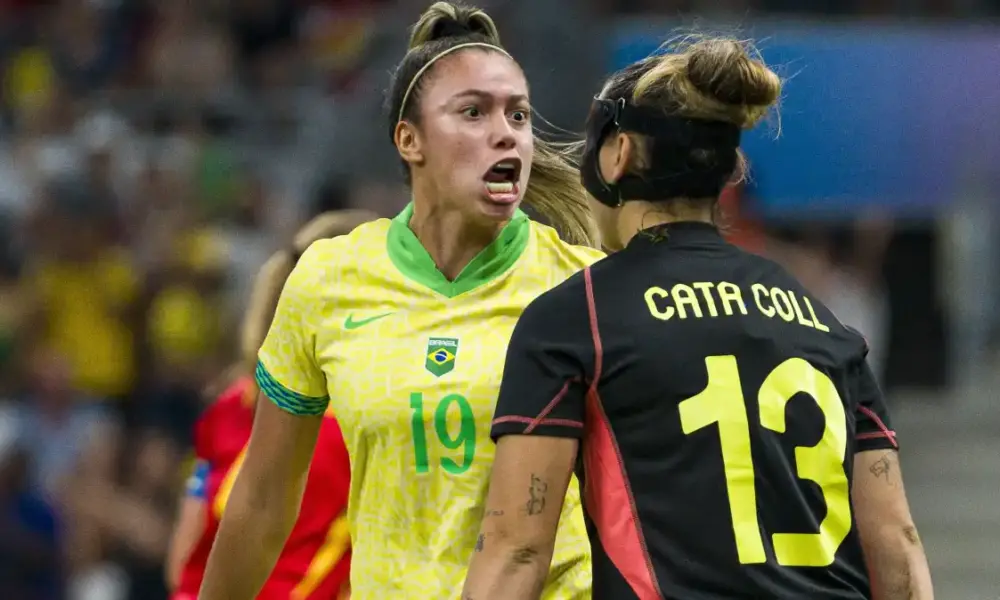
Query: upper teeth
{"points": [[504, 166]]}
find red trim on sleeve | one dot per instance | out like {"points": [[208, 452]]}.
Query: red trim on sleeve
{"points": [[541, 420], [532, 423], [885, 431]]}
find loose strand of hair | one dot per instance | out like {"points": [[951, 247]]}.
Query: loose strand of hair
{"points": [[555, 191]]}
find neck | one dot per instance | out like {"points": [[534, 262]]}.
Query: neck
{"points": [[450, 240], [637, 215]]}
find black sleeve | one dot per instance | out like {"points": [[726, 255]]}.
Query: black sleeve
{"points": [[545, 377], [874, 430]]}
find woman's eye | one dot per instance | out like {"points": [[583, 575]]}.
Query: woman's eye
{"points": [[519, 115], [472, 112]]}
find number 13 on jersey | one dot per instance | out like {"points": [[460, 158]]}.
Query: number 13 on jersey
{"points": [[462, 445], [722, 403]]}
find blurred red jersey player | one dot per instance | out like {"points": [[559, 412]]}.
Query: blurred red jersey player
{"points": [[741, 228], [316, 560]]}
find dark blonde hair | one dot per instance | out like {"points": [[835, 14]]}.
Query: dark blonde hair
{"points": [[272, 275], [554, 190], [698, 77]]}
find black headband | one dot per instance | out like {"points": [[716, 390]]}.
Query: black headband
{"points": [[676, 167]]}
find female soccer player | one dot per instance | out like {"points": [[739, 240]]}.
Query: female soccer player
{"points": [[401, 327], [719, 410], [316, 560]]}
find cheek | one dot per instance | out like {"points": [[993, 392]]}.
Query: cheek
{"points": [[452, 150]]}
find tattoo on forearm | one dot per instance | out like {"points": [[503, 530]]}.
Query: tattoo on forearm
{"points": [[882, 468], [480, 542], [494, 513], [524, 556], [536, 491], [911, 535]]}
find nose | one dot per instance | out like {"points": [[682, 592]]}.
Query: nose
{"points": [[503, 137]]}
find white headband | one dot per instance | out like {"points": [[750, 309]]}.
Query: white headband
{"points": [[420, 73]]}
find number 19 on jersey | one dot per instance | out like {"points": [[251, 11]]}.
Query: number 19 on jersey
{"points": [[462, 445]]}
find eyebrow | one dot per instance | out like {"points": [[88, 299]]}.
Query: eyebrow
{"points": [[488, 95]]}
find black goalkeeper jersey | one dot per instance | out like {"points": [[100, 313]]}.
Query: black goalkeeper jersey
{"points": [[719, 407]]}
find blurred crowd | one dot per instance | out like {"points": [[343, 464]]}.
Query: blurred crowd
{"points": [[850, 8], [150, 160], [152, 154]]}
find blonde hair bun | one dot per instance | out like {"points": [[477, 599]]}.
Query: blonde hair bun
{"points": [[723, 69], [447, 20]]}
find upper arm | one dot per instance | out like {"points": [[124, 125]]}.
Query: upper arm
{"points": [[550, 354], [877, 492], [278, 456], [880, 506], [287, 370]]}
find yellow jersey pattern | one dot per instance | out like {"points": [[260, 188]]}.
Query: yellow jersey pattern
{"points": [[410, 364]]}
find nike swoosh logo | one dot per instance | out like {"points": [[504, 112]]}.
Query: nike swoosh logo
{"points": [[350, 323]]}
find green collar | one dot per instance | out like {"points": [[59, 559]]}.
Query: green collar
{"points": [[413, 261]]}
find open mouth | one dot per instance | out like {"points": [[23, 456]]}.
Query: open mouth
{"points": [[503, 176]]}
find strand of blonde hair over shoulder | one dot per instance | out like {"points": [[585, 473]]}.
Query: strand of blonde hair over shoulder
{"points": [[554, 189]]}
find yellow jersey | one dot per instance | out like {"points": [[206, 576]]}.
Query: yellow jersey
{"points": [[83, 305], [410, 364]]}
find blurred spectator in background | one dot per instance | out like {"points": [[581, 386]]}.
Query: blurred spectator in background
{"points": [[58, 426], [13, 310], [85, 43], [31, 566], [185, 52], [83, 291], [845, 273]]}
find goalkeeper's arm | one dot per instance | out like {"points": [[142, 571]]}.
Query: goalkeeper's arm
{"points": [[896, 558]]}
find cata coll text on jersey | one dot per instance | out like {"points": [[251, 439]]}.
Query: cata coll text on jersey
{"points": [[703, 299]]}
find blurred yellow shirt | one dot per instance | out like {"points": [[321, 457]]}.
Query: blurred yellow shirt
{"points": [[83, 305], [29, 79], [184, 324]]}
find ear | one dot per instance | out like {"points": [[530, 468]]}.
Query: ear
{"points": [[408, 143], [624, 148]]}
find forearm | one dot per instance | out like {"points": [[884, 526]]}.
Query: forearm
{"points": [[900, 571], [523, 506], [239, 566], [506, 573]]}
